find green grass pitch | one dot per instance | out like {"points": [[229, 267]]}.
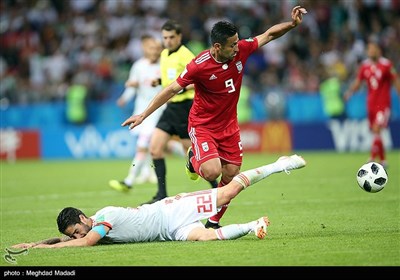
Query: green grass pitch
{"points": [[319, 216]]}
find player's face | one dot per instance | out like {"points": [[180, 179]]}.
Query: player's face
{"points": [[152, 49], [78, 230], [171, 39], [373, 51], [229, 50]]}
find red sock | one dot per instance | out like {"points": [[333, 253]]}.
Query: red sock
{"points": [[374, 148], [221, 212], [380, 148]]}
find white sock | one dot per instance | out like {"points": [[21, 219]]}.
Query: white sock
{"points": [[131, 173], [235, 231], [252, 176], [146, 169], [137, 164]]}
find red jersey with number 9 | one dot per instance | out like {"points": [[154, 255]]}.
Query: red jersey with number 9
{"points": [[217, 87]]}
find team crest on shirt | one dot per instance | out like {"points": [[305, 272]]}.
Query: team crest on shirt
{"points": [[100, 219], [205, 147], [249, 40], [239, 66]]}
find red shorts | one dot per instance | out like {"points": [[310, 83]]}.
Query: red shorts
{"points": [[225, 145], [379, 117]]}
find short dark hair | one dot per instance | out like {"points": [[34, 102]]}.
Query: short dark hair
{"points": [[68, 216], [170, 25], [221, 31]]}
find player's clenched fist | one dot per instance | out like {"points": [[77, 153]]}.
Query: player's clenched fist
{"points": [[297, 14]]}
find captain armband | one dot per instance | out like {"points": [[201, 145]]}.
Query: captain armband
{"points": [[100, 230]]}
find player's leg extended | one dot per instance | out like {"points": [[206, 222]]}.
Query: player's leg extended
{"points": [[380, 122], [233, 231], [187, 208], [241, 181], [249, 177]]}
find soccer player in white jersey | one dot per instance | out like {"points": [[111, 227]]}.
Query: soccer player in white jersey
{"points": [[175, 218], [139, 85]]}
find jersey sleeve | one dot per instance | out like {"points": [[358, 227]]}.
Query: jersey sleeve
{"points": [[100, 230], [134, 72], [360, 73], [393, 72], [248, 46], [104, 217], [186, 77], [130, 92]]}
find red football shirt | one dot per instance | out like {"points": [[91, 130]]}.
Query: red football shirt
{"points": [[217, 87], [378, 77]]}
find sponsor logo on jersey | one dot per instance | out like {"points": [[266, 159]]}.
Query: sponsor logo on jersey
{"points": [[213, 77]]}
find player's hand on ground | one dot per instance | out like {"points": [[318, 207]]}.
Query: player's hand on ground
{"points": [[297, 14], [133, 121], [44, 246], [23, 245]]}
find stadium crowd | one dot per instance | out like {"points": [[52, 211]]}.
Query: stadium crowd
{"points": [[48, 45]]}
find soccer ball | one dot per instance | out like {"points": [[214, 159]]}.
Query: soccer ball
{"points": [[372, 177]]}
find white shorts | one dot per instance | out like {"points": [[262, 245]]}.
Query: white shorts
{"points": [[143, 133], [144, 137], [185, 211]]}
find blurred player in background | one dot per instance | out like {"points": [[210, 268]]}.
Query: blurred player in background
{"points": [[139, 86], [174, 119], [213, 124], [175, 218], [379, 74]]}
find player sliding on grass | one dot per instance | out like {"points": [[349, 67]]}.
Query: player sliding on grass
{"points": [[170, 219]]}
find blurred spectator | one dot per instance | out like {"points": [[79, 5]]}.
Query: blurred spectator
{"points": [[43, 41], [331, 93], [243, 106], [76, 97]]}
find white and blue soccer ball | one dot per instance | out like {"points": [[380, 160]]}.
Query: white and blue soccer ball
{"points": [[372, 177]]}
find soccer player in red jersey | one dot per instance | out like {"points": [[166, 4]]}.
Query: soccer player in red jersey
{"points": [[213, 127], [379, 74]]}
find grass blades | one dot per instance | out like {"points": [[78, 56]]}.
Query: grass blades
{"points": [[319, 216]]}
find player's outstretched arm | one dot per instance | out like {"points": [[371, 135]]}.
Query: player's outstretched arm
{"points": [[249, 177], [160, 99], [354, 86], [280, 29], [48, 241], [90, 239]]}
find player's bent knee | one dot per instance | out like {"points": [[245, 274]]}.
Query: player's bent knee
{"points": [[211, 177], [211, 174]]}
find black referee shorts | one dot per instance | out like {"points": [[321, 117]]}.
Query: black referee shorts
{"points": [[174, 119]]}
